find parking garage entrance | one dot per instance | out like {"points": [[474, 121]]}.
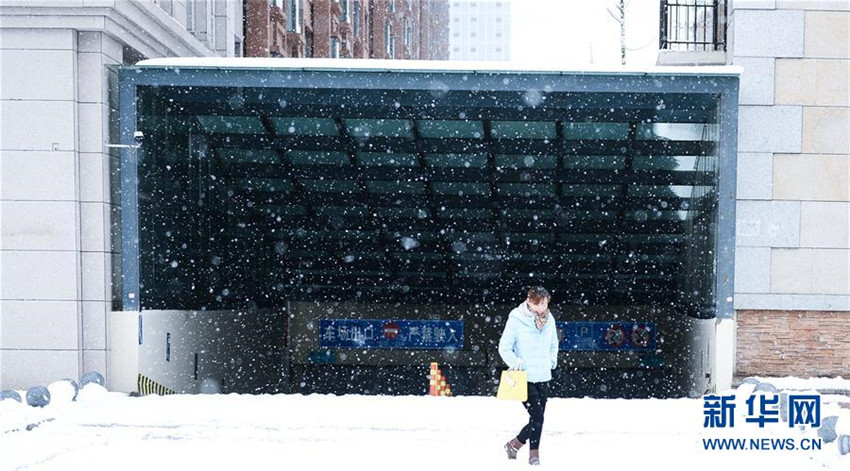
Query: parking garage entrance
{"points": [[277, 209]]}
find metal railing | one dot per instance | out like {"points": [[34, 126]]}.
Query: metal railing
{"points": [[693, 25]]}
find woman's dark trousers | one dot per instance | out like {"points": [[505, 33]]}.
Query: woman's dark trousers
{"points": [[536, 406]]}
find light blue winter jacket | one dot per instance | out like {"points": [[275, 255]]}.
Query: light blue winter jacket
{"points": [[536, 349]]}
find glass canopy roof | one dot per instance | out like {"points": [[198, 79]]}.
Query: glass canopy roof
{"points": [[251, 195]]}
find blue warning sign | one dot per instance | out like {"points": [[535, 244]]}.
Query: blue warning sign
{"points": [[407, 334], [590, 336]]}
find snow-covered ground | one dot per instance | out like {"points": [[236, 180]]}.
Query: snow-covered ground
{"points": [[106, 431]]}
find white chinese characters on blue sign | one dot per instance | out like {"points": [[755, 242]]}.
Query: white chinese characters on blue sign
{"points": [[403, 334]]}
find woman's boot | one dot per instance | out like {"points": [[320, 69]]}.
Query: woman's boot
{"points": [[512, 447], [534, 457]]}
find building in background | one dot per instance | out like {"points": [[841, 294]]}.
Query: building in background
{"points": [[480, 31], [59, 180], [792, 275], [376, 29]]}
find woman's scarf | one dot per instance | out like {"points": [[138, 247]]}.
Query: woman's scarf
{"points": [[539, 319]]}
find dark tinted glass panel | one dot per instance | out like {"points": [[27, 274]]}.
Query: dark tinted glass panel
{"points": [[283, 194]]}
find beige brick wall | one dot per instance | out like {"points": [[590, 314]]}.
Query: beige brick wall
{"points": [[793, 343]]}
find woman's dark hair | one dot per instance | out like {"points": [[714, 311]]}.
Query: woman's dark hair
{"points": [[538, 293]]}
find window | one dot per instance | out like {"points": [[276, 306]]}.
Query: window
{"points": [[335, 47], [356, 25], [391, 6], [190, 15], [344, 4], [388, 40], [293, 15], [693, 26], [308, 45]]}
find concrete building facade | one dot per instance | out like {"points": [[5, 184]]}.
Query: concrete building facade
{"points": [[480, 30], [58, 179]]}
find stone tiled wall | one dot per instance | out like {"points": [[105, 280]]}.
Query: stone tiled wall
{"points": [[793, 236], [793, 343]]}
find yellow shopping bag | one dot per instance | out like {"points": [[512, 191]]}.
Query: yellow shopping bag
{"points": [[513, 386]]}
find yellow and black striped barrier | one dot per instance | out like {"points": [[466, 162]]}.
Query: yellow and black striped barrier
{"points": [[148, 386]]}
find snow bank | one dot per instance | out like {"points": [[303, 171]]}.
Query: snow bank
{"points": [[107, 430]]}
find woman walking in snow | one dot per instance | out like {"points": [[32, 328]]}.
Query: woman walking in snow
{"points": [[530, 340]]}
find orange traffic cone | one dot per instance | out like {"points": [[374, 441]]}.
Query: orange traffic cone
{"points": [[434, 381], [437, 384], [432, 384]]}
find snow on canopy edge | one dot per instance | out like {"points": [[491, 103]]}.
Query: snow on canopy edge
{"points": [[382, 65]]}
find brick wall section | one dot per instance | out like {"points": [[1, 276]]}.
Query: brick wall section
{"points": [[795, 343]]}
